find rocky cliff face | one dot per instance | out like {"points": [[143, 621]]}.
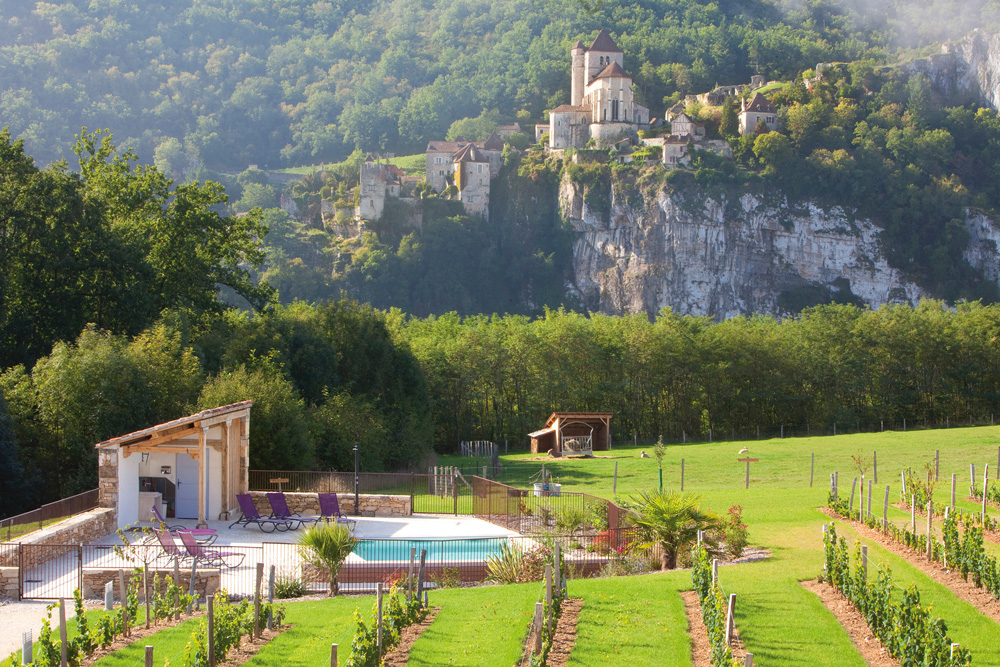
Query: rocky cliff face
{"points": [[966, 71], [725, 257]]}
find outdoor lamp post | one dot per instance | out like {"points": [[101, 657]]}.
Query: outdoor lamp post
{"points": [[357, 459]]}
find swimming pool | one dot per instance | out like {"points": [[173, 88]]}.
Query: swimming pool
{"points": [[474, 549]]}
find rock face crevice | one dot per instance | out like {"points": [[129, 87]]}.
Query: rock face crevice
{"points": [[967, 70], [718, 257]]}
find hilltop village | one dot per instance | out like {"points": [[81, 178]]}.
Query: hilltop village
{"points": [[602, 114]]}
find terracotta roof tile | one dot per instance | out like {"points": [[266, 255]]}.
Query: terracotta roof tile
{"points": [[760, 104], [468, 153], [614, 70], [567, 108], [493, 143], [604, 43]]}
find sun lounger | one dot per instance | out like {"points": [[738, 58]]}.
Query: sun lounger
{"points": [[209, 557], [329, 507], [204, 535], [252, 516], [170, 548], [279, 510]]}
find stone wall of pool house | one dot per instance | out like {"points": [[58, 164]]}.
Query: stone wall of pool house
{"points": [[206, 581], [308, 504]]}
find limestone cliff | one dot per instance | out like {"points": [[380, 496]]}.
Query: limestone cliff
{"points": [[722, 257], [966, 71]]}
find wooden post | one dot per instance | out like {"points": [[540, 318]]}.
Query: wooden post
{"points": [[62, 633], [145, 590], [420, 574], [861, 499], [953, 482], [885, 510], [869, 512], [913, 514], [682, 474], [944, 552], [454, 489], [548, 597], [177, 590], [122, 593], [730, 619], [539, 611], [409, 580], [333, 655], [149, 656], [715, 571], [194, 569], [748, 660], [270, 599], [256, 600], [557, 574], [864, 559], [812, 469], [836, 484], [378, 598], [854, 488], [210, 603], [930, 516], [986, 479]]}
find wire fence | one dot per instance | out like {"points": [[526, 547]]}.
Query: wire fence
{"points": [[15, 526]]}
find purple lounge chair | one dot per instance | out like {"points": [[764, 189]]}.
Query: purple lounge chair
{"points": [[329, 507], [251, 515], [170, 547], [204, 535], [209, 557], [279, 510]]}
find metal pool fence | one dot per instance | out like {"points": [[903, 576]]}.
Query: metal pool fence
{"points": [[56, 570]]}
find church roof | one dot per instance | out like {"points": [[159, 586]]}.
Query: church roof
{"points": [[614, 70], [468, 153], [604, 43], [568, 108], [493, 143], [760, 104], [578, 45]]}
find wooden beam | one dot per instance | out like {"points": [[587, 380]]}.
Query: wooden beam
{"points": [[164, 449], [225, 467], [166, 436], [202, 523]]}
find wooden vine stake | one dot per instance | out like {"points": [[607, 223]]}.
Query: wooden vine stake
{"points": [[149, 656], [62, 633], [986, 479], [854, 489], [930, 542], [378, 594], [864, 559], [210, 602], [145, 590], [885, 510], [256, 600], [177, 590], [539, 612], [548, 597], [333, 655], [730, 619]]}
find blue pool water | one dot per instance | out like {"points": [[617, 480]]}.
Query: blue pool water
{"points": [[477, 549]]}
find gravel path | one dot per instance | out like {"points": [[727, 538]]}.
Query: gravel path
{"points": [[18, 617]]}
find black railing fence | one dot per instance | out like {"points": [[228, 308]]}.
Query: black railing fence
{"points": [[15, 526]]}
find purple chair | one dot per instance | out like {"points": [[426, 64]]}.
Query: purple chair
{"points": [[279, 510], [329, 507], [204, 535], [209, 557], [252, 516], [170, 547]]}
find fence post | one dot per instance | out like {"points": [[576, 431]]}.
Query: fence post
{"points": [[149, 656], [454, 489], [378, 594], [854, 488], [145, 590], [122, 593], [256, 600], [558, 569], [730, 618], [861, 500], [537, 648], [194, 571], [748, 660], [715, 571], [868, 513], [930, 515], [270, 599], [972, 476], [210, 603], [836, 484], [177, 590], [333, 655], [409, 579], [62, 633], [986, 479], [812, 469], [864, 559], [420, 575], [885, 511], [548, 597]]}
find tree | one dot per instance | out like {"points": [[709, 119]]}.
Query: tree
{"points": [[729, 123], [671, 521], [327, 546], [12, 481], [773, 150]]}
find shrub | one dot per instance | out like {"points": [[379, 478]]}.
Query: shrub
{"points": [[570, 519], [287, 586], [734, 532]]}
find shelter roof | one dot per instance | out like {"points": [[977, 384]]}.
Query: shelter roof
{"points": [[539, 433], [179, 428], [577, 415], [604, 43]]}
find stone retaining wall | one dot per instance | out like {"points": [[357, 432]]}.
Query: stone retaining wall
{"points": [[9, 582], [206, 582], [308, 504], [84, 528]]}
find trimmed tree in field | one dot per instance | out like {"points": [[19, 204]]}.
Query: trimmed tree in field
{"points": [[671, 521]]}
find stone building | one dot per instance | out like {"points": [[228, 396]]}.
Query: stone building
{"points": [[602, 105], [683, 125], [379, 179], [759, 111], [468, 165]]}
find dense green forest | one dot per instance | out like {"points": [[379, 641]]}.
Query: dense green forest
{"points": [[226, 83]]}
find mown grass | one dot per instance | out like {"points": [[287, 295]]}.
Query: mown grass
{"points": [[315, 624], [483, 627], [411, 164]]}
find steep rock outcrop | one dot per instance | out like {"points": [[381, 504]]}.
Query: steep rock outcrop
{"points": [[721, 257], [965, 71], [984, 240]]}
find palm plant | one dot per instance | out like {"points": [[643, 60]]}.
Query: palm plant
{"points": [[327, 546], [671, 521]]}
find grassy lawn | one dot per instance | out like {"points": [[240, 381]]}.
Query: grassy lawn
{"points": [[315, 625], [413, 165], [167, 644], [483, 627]]}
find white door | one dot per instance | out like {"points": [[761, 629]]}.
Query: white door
{"points": [[187, 488]]}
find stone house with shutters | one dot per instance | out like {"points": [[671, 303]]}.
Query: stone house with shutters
{"points": [[379, 180], [469, 166], [758, 111], [684, 126], [602, 104]]}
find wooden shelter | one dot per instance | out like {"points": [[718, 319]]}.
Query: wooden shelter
{"points": [[191, 467], [573, 434]]}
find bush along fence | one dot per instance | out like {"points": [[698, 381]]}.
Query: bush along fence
{"points": [[548, 609], [906, 629], [716, 610], [391, 614], [162, 603], [962, 547]]}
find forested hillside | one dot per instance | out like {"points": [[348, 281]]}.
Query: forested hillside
{"points": [[225, 83]]}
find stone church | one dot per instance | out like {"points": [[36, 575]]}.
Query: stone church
{"points": [[602, 106]]}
